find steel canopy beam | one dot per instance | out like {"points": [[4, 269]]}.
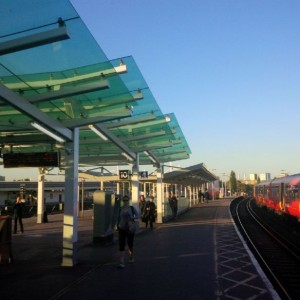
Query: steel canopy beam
{"points": [[25, 107], [34, 40], [115, 140], [81, 89], [131, 121]]}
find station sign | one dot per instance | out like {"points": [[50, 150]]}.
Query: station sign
{"points": [[143, 174], [124, 175]]}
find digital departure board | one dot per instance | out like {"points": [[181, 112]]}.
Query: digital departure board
{"points": [[34, 159]]}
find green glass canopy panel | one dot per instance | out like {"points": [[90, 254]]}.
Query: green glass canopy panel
{"points": [[40, 16], [71, 83]]}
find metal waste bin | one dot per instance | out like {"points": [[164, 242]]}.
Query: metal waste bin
{"points": [[5, 240]]}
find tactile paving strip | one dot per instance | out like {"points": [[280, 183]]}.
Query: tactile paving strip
{"points": [[237, 277]]}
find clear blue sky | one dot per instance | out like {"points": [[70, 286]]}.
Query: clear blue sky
{"points": [[228, 69]]}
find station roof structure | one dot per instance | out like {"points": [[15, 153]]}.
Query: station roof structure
{"points": [[193, 174], [54, 76]]}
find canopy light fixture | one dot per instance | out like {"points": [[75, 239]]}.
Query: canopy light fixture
{"points": [[151, 158], [167, 118], [48, 132], [127, 156], [98, 132]]}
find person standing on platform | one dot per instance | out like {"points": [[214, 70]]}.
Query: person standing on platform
{"points": [[142, 204], [126, 227], [206, 196], [174, 204], [150, 212], [200, 195], [171, 203], [18, 214]]}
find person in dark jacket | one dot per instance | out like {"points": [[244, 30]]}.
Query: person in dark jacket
{"points": [[206, 196], [142, 205], [18, 214], [150, 212], [200, 197], [173, 204]]}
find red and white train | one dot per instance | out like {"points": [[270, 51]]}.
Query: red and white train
{"points": [[280, 194]]}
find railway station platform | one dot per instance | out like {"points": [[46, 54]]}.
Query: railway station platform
{"points": [[198, 255]]}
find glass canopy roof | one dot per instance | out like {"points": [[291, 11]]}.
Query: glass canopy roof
{"points": [[53, 72], [192, 175]]}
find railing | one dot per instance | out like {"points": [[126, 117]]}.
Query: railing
{"points": [[31, 210], [183, 205]]}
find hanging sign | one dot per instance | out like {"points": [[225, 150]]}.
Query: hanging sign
{"points": [[143, 174], [124, 174]]}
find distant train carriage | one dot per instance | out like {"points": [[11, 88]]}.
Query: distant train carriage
{"points": [[280, 194], [214, 189]]}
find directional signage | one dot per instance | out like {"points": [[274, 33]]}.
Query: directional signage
{"points": [[32, 159], [143, 174], [124, 174]]}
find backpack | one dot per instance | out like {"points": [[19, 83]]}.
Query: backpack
{"points": [[131, 223]]}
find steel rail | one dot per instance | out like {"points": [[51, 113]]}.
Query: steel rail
{"points": [[262, 260]]}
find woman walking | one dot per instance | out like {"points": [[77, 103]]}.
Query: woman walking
{"points": [[126, 227]]}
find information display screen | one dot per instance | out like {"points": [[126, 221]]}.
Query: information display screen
{"points": [[35, 159]]}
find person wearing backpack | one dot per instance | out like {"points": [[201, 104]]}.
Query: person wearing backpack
{"points": [[126, 228]]}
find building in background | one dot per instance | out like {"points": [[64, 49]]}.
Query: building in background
{"points": [[282, 174], [265, 176], [253, 177]]}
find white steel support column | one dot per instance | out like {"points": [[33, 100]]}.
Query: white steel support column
{"points": [[82, 196], [70, 222], [118, 188], [159, 195], [40, 196], [192, 194], [135, 183], [186, 194], [78, 193]]}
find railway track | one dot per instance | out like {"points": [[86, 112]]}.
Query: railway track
{"points": [[274, 242]]}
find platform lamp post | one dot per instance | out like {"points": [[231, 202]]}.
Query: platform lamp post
{"points": [[225, 191], [213, 187]]}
